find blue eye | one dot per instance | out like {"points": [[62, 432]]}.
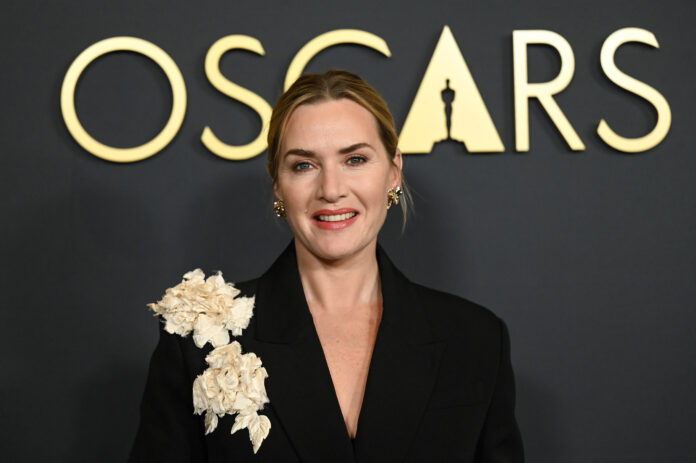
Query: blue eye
{"points": [[356, 160], [304, 165]]}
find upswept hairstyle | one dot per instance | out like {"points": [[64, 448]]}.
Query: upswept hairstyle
{"points": [[333, 85]]}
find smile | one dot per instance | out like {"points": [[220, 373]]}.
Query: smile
{"points": [[336, 218]]}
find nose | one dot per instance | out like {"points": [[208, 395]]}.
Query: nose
{"points": [[332, 184]]}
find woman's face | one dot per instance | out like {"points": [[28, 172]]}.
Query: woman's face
{"points": [[333, 176]]}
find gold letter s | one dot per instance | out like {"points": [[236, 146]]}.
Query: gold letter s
{"points": [[664, 114], [251, 99]]}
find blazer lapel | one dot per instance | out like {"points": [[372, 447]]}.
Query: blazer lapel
{"points": [[299, 384], [401, 377], [402, 372]]}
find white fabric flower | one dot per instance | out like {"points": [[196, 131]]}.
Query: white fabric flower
{"points": [[258, 426], [208, 307], [233, 383]]}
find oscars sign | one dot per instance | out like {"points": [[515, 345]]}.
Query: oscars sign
{"points": [[447, 105]]}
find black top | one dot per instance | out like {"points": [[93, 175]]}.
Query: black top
{"points": [[440, 385]]}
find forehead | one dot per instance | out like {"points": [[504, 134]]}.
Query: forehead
{"points": [[330, 124]]}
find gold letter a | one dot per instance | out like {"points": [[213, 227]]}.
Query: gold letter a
{"points": [[426, 122]]}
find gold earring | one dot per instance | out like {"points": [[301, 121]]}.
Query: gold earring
{"points": [[393, 196], [279, 208]]}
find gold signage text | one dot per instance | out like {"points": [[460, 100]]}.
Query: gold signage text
{"points": [[156, 54], [447, 105]]}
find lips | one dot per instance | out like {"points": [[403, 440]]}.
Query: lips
{"points": [[335, 219]]}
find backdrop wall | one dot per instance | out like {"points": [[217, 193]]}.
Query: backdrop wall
{"points": [[588, 255]]}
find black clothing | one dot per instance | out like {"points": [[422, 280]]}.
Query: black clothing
{"points": [[440, 384]]}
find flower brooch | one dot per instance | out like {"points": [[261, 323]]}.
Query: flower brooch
{"points": [[233, 383]]}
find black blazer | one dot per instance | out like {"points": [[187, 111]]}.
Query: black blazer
{"points": [[440, 385]]}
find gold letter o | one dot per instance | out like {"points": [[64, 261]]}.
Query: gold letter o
{"points": [[156, 54]]}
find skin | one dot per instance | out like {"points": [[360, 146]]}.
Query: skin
{"points": [[332, 158]]}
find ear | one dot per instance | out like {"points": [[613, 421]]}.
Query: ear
{"points": [[275, 190], [398, 164]]}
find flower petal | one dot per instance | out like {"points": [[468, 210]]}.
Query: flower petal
{"points": [[208, 328], [211, 422], [259, 427]]}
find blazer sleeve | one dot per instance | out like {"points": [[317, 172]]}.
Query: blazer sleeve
{"points": [[500, 441], [168, 430]]}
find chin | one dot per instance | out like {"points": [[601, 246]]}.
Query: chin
{"points": [[335, 249]]}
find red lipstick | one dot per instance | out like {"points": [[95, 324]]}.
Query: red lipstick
{"points": [[335, 224]]}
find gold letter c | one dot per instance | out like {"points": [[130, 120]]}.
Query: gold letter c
{"points": [[329, 39]]}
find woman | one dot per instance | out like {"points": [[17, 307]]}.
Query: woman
{"points": [[359, 363]]}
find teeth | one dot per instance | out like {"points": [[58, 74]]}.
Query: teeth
{"points": [[337, 218]]}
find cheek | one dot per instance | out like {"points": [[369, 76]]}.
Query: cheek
{"points": [[290, 190], [377, 198], [297, 198]]}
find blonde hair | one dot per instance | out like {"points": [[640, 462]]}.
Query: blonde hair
{"points": [[333, 85]]}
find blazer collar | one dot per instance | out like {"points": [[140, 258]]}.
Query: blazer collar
{"points": [[286, 316], [299, 385]]}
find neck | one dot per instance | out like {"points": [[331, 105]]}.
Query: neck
{"points": [[343, 285]]}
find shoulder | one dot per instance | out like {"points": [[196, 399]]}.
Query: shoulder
{"points": [[454, 317], [247, 288]]}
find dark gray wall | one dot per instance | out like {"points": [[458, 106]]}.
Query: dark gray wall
{"points": [[589, 256]]}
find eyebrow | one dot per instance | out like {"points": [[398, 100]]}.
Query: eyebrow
{"points": [[346, 150], [355, 147], [299, 152]]}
